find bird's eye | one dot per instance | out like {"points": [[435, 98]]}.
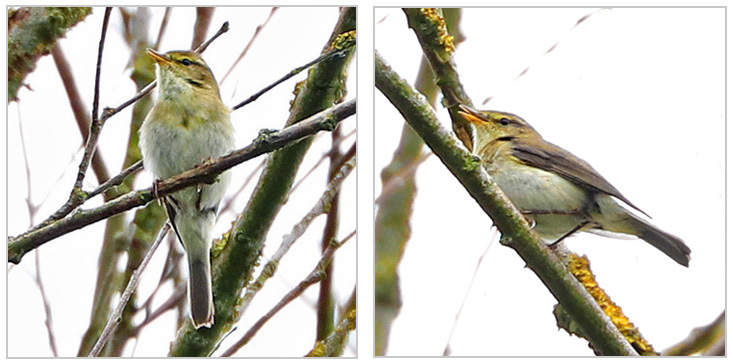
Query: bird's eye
{"points": [[186, 62], [504, 121]]}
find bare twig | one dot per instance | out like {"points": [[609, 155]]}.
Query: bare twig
{"points": [[81, 115], [447, 349], [323, 57], [223, 29], [320, 161], [179, 293], [319, 208], [116, 316], [32, 209], [227, 205], [249, 44], [315, 276], [116, 180], [332, 345], [96, 126], [206, 172], [399, 178], [29, 203], [325, 312], [701, 340], [549, 50], [163, 26], [203, 20], [46, 307]]}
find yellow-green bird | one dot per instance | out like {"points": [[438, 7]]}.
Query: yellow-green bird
{"points": [[189, 124], [560, 192]]}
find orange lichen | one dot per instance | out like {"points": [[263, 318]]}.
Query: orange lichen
{"points": [[580, 268]]}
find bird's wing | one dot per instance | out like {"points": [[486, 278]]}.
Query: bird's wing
{"points": [[552, 158], [170, 208]]}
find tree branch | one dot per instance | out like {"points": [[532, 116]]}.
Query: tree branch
{"points": [[315, 276], [438, 47], [116, 316], [266, 142], [395, 205]]}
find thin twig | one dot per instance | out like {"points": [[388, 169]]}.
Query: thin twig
{"points": [[205, 172], [116, 180], [116, 316], [325, 307], [549, 50], [288, 240], [320, 161], [332, 345], [223, 29], [227, 205], [700, 339], [315, 276], [46, 307], [81, 115], [446, 349], [203, 20], [96, 126], [323, 57], [32, 209], [164, 276], [249, 44], [163, 26], [179, 293], [71, 204], [399, 178]]}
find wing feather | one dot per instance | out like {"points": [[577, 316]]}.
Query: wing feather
{"points": [[552, 158]]}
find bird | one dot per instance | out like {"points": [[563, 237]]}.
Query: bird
{"points": [[188, 125], [560, 193]]}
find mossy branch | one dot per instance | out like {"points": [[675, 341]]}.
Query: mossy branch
{"points": [[32, 33], [395, 204]]}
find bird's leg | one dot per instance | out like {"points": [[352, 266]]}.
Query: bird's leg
{"points": [[155, 192], [571, 232], [533, 223]]}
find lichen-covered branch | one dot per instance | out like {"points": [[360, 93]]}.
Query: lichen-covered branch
{"points": [[32, 33]]}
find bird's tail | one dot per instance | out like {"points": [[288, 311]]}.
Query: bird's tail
{"points": [[193, 228], [669, 244], [199, 289]]}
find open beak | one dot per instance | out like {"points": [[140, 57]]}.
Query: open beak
{"points": [[471, 115], [159, 58]]}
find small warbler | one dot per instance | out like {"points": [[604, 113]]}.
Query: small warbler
{"points": [[560, 192], [189, 124]]}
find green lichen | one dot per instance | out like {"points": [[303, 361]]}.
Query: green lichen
{"points": [[32, 33]]}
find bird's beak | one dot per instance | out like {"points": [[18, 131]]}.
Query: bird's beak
{"points": [[159, 58], [471, 115]]}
